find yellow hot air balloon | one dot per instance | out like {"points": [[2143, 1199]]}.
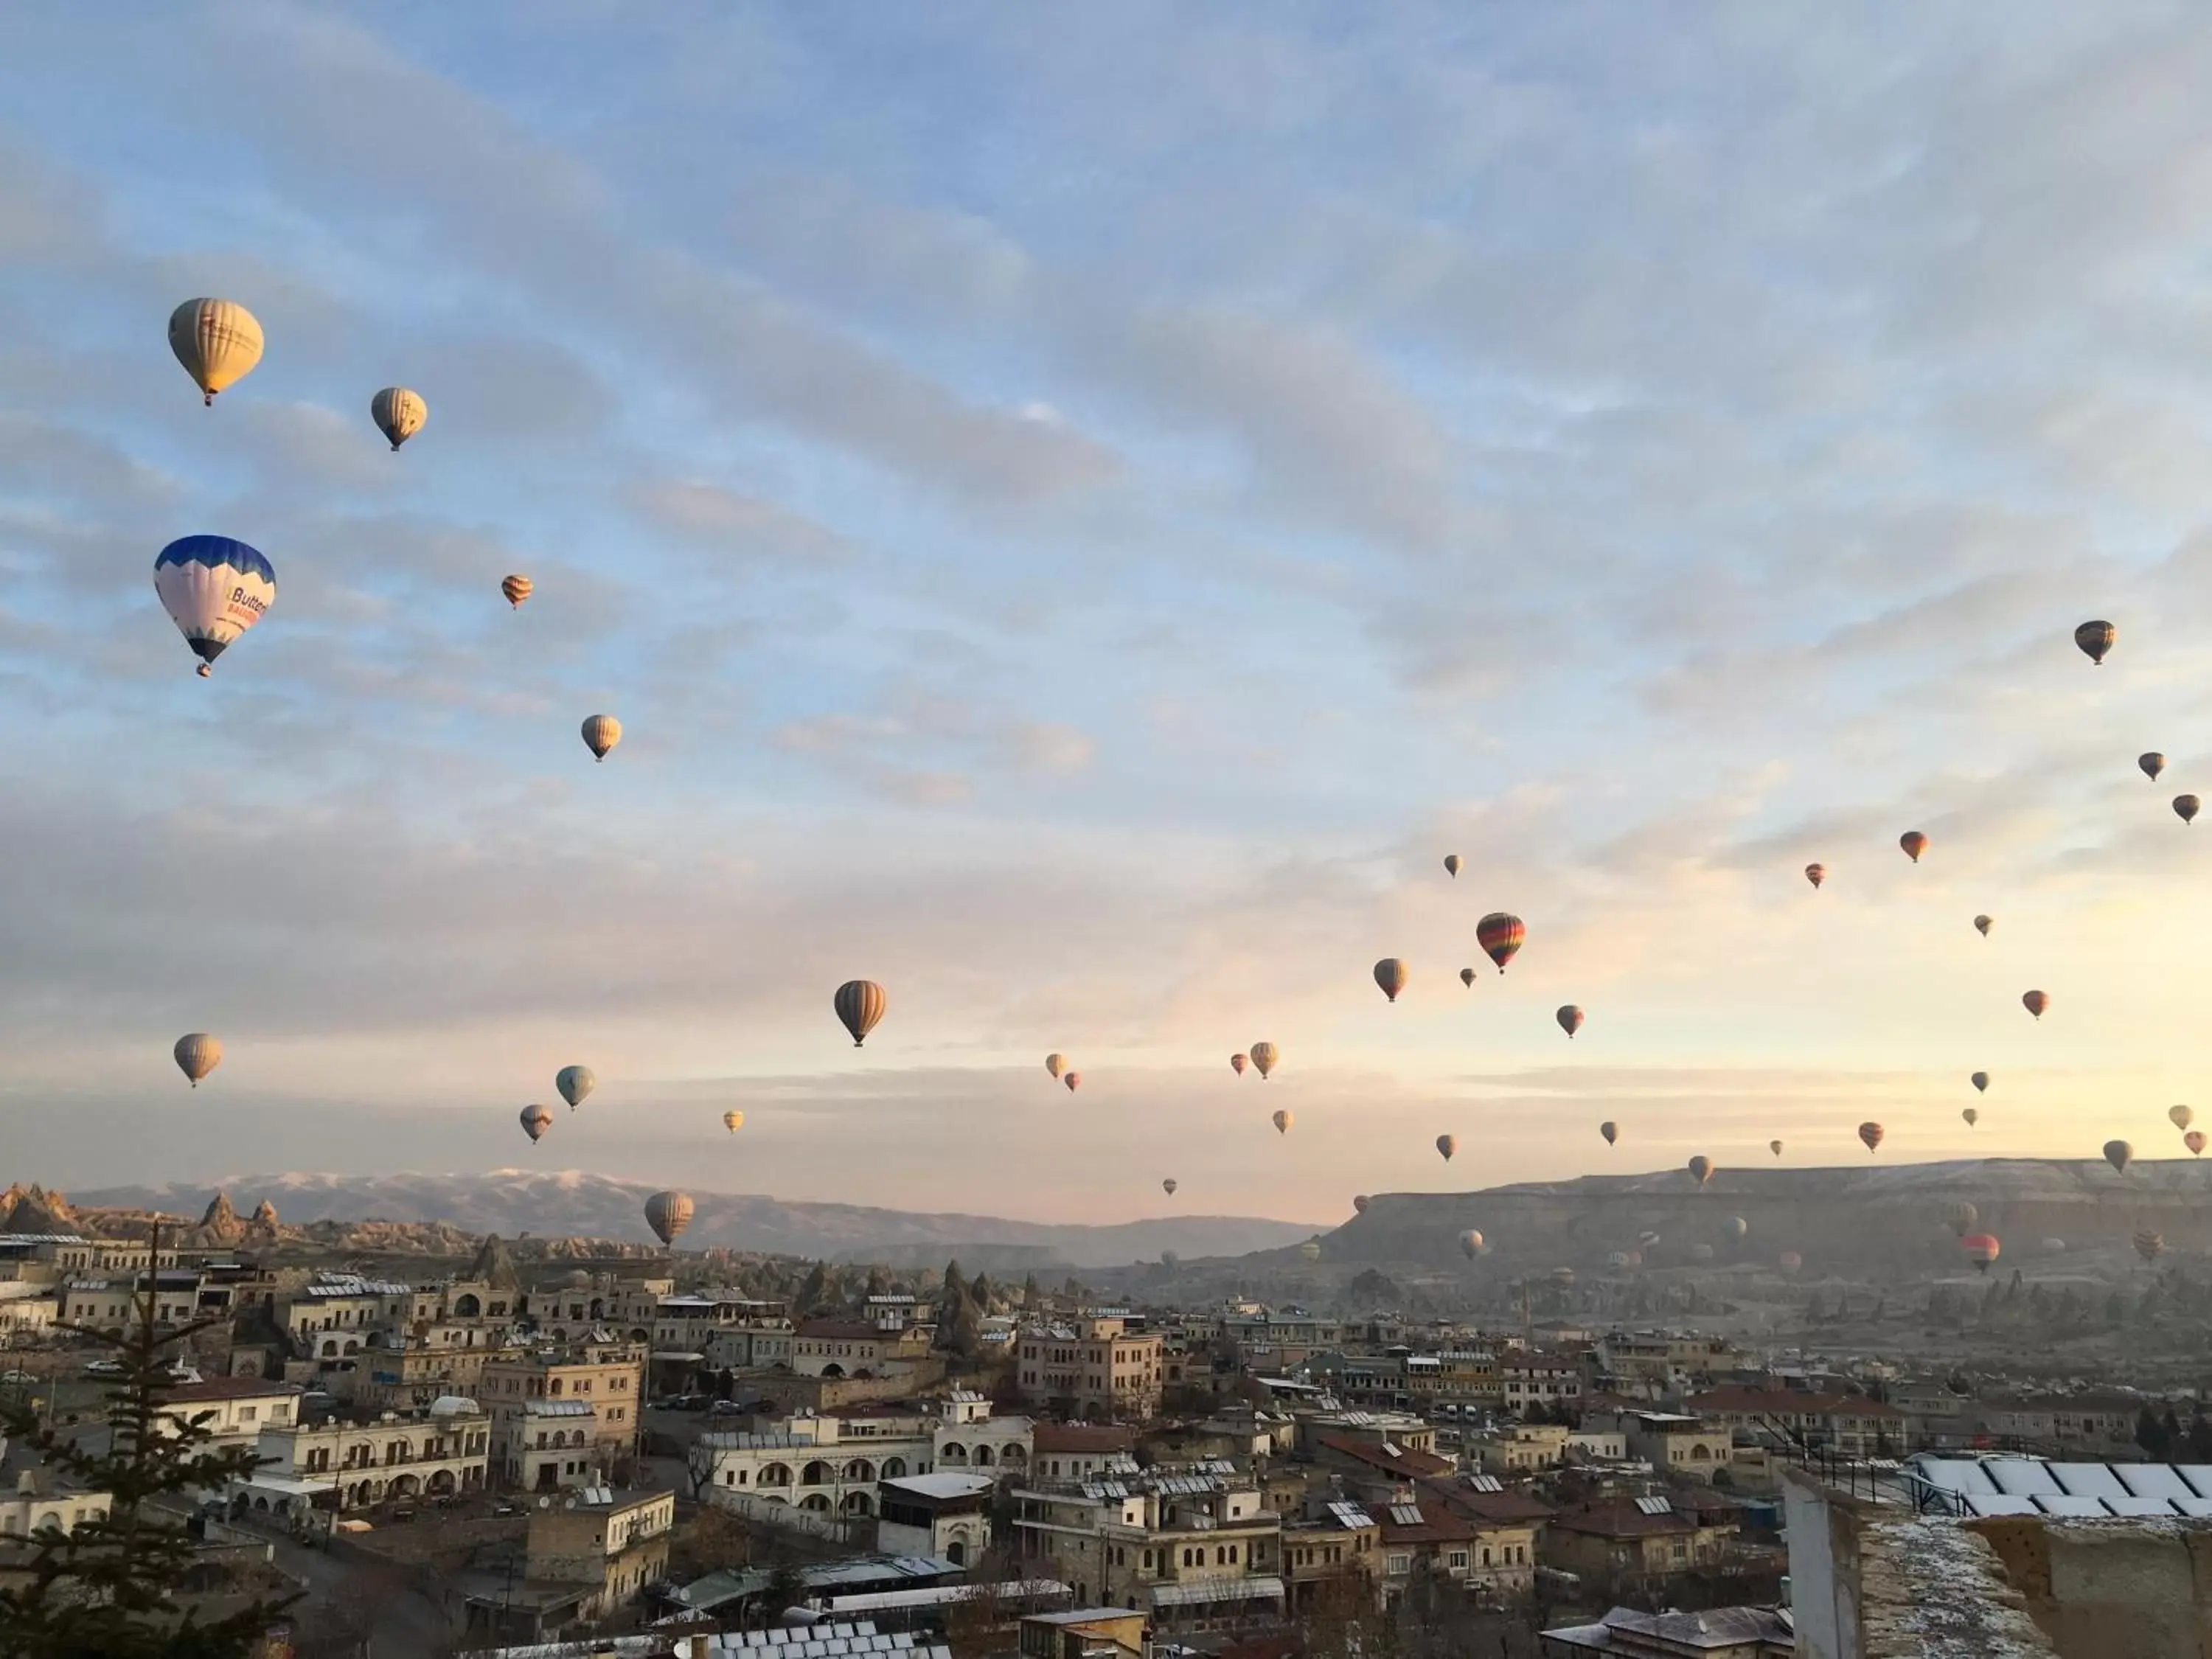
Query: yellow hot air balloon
{"points": [[1816, 874], [668, 1214], [1238, 1063], [2035, 1002], [2095, 638], [536, 1121], [517, 589], [733, 1122], [1702, 1168], [1871, 1134], [1282, 1122], [1570, 1019], [2180, 1116], [217, 341], [197, 1053], [859, 1004], [1264, 1056], [1310, 1249], [399, 414], [1983, 924], [601, 734], [1390, 976], [1054, 1064], [1451, 864], [1914, 844], [1447, 1145]]}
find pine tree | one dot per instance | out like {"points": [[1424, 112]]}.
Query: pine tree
{"points": [[104, 1589], [813, 1290]]}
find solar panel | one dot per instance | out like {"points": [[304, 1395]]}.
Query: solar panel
{"points": [[2152, 1481], [2088, 1480], [2022, 1477], [1406, 1514], [2198, 1475], [2196, 1506], [1955, 1474], [1654, 1506], [1486, 1483], [2139, 1505], [2065, 1504]]}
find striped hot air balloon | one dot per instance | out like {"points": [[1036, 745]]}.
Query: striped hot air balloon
{"points": [[217, 341], [214, 589], [1871, 1134], [1282, 1120], [517, 589], [1169, 1186], [1238, 1063], [1467, 977], [1701, 1167], [2149, 1245], [1816, 874], [1914, 844], [2095, 638], [1500, 936], [1264, 1056], [575, 1082], [1073, 1080], [197, 1053], [668, 1214], [733, 1122], [1054, 1064], [536, 1121], [1390, 976], [2152, 762], [1570, 1019], [601, 734], [1982, 1249], [859, 1004], [2181, 1116], [399, 414]]}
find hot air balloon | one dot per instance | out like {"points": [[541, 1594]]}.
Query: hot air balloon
{"points": [[536, 1121], [2054, 1247], [1701, 1167], [1054, 1064], [2185, 808], [1073, 1080], [2119, 1154], [1470, 1244], [668, 1214], [214, 589], [2152, 763], [2035, 1002], [2149, 1245], [601, 734], [1447, 1145], [1390, 976], [733, 1122], [197, 1053], [1983, 924], [1282, 1120], [1775, 1147], [1500, 936], [1972, 1114], [517, 589], [1310, 1249], [217, 341], [1870, 1133], [1169, 1186], [1647, 1239], [1562, 1277], [1914, 844], [575, 1082], [1467, 977], [1610, 1130], [1570, 1019], [2095, 638], [1736, 1229], [1237, 1063], [1816, 874], [1451, 865], [1264, 1056], [1982, 1249], [1961, 1218], [1981, 1082], [1618, 1260], [1789, 1261], [2195, 1141], [859, 1004], [1359, 1204], [399, 414], [2180, 1116]]}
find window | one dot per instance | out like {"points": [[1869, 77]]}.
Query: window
{"points": [[1400, 1562], [1458, 1559]]}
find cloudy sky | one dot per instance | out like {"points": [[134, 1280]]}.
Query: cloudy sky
{"points": [[1078, 509]]}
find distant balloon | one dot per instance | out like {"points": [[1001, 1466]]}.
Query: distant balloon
{"points": [[1972, 1114], [2180, 1116], [217, 341], [517, 589], [2185, 808], [1983, 924], [1470, 1244], [1610, 1130], [1570, 1019], [1775, 1147], [1981, 1082], [2054, 1247], [1055, 1064], [1619, 1259], [399, 414], [214, 589], [1169, 1186], [1701, 1167], [1282, 1120], [1238, 1063], [536, 1121], [859, 1004], [1981, 1249], [575, 1082], [2149, 1245], [1466, 976], [1562, 1276], [1073, 1080], [1914, 844], [1961, 1218], [1789, 1261], [1816, 874], [1735, 1229], [1451, 864], [2195, 1141], [668, 1214], [1500, 936], [1264, 1056], [1310, 1249], [733, 1122], [2152, 763], [1647, 1239], [1447, 1145], [2035, 1002], [197, 1053], [2120, 1155], [1701, 1253], [1870, 1133], [601, 734], [1360, 1203], [2095, 638], [1390, 976]]}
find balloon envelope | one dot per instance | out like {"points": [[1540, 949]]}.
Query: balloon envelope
{"points": [[2152, 763], [1736, 1227], [1360, 1203], [1447, 1145], [517, 589], [1789, 1261], [1500, 936], [2185, 807], [859, 1004], [601, 734], [1914, 844], [1983, 924], [1470, 1244], [1816, 874], [1073, 1080], [1610, 1130], [1238, 1063], [2035, 1002], [574, 1082], [1264, 1055], [399, 414], [217, 341], [1981, 1082], [733, 1122], [2180, 1116], [1055, 1064], [1870, 1133], [1961, 1218], [1570, 1019], [1169, 1186], [2119, 1154], [2095, 638], [1310, 1250], [1702, 1168], [1972, 1114], [197, 1053], [214, 589], [1981, 1249], [2149, 1245], [1390, 976], [1466, 976], [2195, 1141], [1775, 1147], [536, 1121], [668, 1214], [1282, 1120], [1451, 864]]}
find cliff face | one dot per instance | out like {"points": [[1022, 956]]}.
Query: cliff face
{"points": [[1879, 1222]]}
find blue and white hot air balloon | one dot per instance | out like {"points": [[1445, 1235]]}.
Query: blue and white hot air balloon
{"points": [[214, 589]]}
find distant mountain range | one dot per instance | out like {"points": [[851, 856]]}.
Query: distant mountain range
{"points": [[572, 1203]]}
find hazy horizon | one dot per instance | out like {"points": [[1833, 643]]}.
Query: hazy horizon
{"points": [[1078, 516]]}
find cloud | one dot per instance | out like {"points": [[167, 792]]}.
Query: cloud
{"points": [[745, 526]]}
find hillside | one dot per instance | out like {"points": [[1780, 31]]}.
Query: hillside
{"points": [[573, 1203]]}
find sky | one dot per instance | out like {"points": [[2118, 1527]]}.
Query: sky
{"points": [[1078, 509]]}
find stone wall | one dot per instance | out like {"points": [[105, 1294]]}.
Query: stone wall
{"points": [[2111, 1590]]}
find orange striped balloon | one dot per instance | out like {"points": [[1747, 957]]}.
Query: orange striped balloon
{"points": [[517, 589]]}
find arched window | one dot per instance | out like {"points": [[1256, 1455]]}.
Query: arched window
{"points": [[894, 1469], [816, 1473], [857, 1502], [982, 1457], [817, 1501], [467, 1307], [954, 1452], [776, 1474], [859, 1469]]}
